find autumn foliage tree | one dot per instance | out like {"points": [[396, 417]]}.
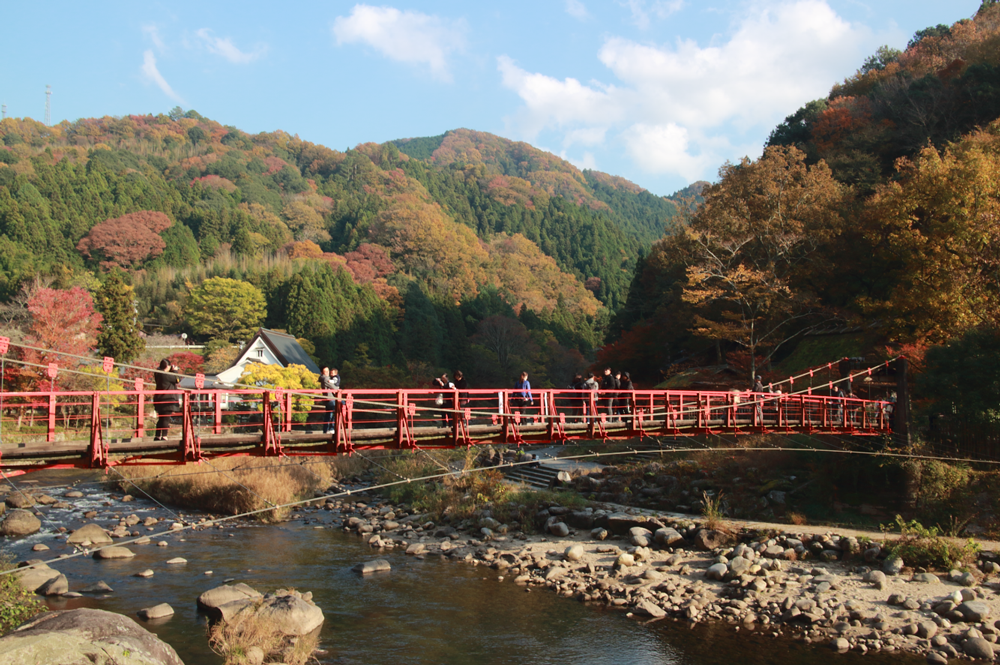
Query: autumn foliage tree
{"points": [[752, 246], [62, 322], [935, 233], [126, 241]]}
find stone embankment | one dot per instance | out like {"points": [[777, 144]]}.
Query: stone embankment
{"points": [[839, 591]]}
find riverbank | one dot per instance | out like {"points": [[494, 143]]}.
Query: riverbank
{"points": [[825, 588], [766, 584]]}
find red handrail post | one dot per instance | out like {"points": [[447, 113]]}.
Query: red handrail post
{"points": [[51, 435], [140, 410], [217, 419], [288, 412]]}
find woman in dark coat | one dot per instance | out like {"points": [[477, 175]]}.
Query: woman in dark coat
{"points": [[165, 404]]}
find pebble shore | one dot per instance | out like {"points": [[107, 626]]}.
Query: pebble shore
{"points": [[836, 591]]}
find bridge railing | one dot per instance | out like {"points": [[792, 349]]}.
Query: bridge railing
{"points": [[129, 414]]}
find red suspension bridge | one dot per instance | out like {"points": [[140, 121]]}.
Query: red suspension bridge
{"points": [[107, 428], [99, 429]]}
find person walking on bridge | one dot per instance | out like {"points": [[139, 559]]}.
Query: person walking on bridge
{"points": [[522, 399]]}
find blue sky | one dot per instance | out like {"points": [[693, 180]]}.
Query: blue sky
{"points": [[661, 92]]}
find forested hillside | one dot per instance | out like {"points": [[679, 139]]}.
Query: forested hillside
{"points": [[441, 255], [874, 207]]}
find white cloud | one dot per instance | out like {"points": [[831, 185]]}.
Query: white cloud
{"points": [[405, 36], [643, 10], [586, 136], [682, 108], [153, 33], [577, 10], [152, 74], [586, 162], [665, 149], [223, 46], [550, 101]]}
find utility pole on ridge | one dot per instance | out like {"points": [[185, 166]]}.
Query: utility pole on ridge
{"points": [[48, 105]]}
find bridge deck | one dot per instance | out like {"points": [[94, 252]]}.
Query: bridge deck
{"points": [[94, 429]]}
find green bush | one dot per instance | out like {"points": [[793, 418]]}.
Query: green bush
{"points": [[17, 605], [924, 547]]}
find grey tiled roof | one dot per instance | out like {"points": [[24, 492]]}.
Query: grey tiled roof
{"points": [[287, 349]]}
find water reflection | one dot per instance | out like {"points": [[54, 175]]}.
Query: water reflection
{"points": [[424, 611]]}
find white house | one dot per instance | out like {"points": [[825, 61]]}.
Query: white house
{"points": [[269, 347]]}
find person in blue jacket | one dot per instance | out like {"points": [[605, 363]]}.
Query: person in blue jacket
{"points": [[522, 399]]}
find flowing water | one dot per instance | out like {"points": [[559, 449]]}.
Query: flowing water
{"points": [[424, 611]]}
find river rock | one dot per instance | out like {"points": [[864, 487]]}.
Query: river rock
{"points": [[624, 560], [977, 647], [710, 539], [926, 630], [374, 566], [739, 565], [73, 495], [19, 500], [56, 586], [116, 552], [964, 579], [650, 609], [559, 529], [40, 547], [893, 565], [840, 643], [414, 549], [46, 500], [84, 636], [620, 523], [926, 578], [717, 571], [640, 536], [667, 537], [211, 600], [974, 611], [89, 533], [145, 573], [599, 533], [176, 561], [160, 611], [97, 587], [292, 613], [37, 576], [574, 553], [19, 523], [876, 578]]}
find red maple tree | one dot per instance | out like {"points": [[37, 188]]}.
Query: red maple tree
{"points": [[127, 240], [62, 322]]}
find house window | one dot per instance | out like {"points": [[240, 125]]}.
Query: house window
{"points": [[260, 353]]}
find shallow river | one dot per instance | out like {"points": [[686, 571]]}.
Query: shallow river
{"points": [[424, 611]]}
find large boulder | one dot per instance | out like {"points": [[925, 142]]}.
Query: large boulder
{"points": [[84, 636], [37, 576], [19, 523], [710, 539], [210, 601], [289, 612], [668, 537], [89, 533], [116, 552], [620, 523], [19, 500]]}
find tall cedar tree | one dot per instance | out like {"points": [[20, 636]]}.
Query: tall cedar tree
{"points": [[119, 336]]}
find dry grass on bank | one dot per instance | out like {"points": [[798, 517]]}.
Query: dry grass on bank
{"points": [[236, 639], [237, 485]]}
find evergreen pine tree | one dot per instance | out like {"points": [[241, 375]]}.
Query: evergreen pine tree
{"points": [[119, 336]]}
